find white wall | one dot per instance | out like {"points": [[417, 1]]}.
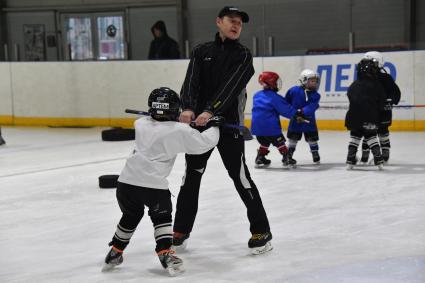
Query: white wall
{"points": [[105, 89], [89, 89], [419, 83], [5, 91]]}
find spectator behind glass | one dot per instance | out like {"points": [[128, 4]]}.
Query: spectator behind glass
{"points": [[162, 46]]}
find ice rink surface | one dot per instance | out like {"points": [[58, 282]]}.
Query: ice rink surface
{"points": [[329, 224]]}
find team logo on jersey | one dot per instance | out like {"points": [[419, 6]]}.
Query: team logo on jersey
{"points": [[160, 105]]}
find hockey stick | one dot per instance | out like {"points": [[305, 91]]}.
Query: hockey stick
{"points": [[409, 106], [246, 133], [394, 106]]}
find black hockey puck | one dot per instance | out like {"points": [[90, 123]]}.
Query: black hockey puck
{"points": [[108, 181], [118, 134]]}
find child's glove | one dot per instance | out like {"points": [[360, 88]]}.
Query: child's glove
{"points": [[215, 121], [299, 116]]}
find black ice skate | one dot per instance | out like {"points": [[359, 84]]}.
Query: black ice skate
{"points": [[260, 243], [377, 157], [292, 162], [316, 157], [171, 263], [351, 161], [179, 241], [379, 161], [386, 154], [2, 141], [113, 258], [365, 156], [261, 161], [285, 160]]}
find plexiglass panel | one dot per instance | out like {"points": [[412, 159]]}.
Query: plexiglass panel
{"points": [[110, 37], [79, 38]]}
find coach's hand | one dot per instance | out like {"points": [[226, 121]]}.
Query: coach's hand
{"points": [[187, 116], [202, 119]]}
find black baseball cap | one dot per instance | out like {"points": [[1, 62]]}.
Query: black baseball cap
{"points": [[230, 10]]}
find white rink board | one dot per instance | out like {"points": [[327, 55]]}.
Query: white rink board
{"points": [[90, 89], [339, 74], [105, 89], [5, 90]]}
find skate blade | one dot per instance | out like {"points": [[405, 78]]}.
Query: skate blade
{"points": [[381, 166], [179, 248], [350, 167], [261, 250], [108, 266], [316, 163], [259, 166], [175, 270]]}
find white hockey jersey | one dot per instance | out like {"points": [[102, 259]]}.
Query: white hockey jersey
{"points": [[157, 146]]}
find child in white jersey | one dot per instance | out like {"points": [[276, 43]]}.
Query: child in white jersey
{"points": [[143, 182]]}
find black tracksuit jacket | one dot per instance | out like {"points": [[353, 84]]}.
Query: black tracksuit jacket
{"points": [[216, 78]]}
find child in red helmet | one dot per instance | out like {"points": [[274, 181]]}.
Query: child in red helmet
{"points": [[268, 106]]}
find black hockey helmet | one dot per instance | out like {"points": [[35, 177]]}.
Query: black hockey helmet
{"points": [[367, 67], [164, 104]]}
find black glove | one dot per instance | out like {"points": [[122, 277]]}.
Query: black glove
{"points": [[299, 116], [215, 121]]}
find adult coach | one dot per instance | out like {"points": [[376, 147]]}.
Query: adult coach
{"points": [[215, 83]]}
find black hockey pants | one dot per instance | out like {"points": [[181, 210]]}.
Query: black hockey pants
{"points": [[371, 139], [132, 201], [384, 139], [232, 151]]}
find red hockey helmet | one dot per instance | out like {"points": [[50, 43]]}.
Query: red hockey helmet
{"points": [[270, 80]]}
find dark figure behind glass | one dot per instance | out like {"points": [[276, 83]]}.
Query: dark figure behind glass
{"points": [[162, 46]]}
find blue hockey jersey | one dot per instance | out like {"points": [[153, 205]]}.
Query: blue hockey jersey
{"points": [[267, 108], [308, 101]]}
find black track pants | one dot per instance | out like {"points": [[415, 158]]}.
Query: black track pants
{"points": [[231, 148]]}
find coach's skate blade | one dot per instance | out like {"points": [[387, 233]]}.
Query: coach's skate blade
{"points": [[261, 250], [175, 270], [350, 166], [380, 166], [260, 166]]}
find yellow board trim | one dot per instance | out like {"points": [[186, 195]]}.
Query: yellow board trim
{"points": [[331, 125], [67, 122], [338, 125]]}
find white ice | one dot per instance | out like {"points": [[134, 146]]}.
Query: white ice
{"points": [[329, 224]]}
